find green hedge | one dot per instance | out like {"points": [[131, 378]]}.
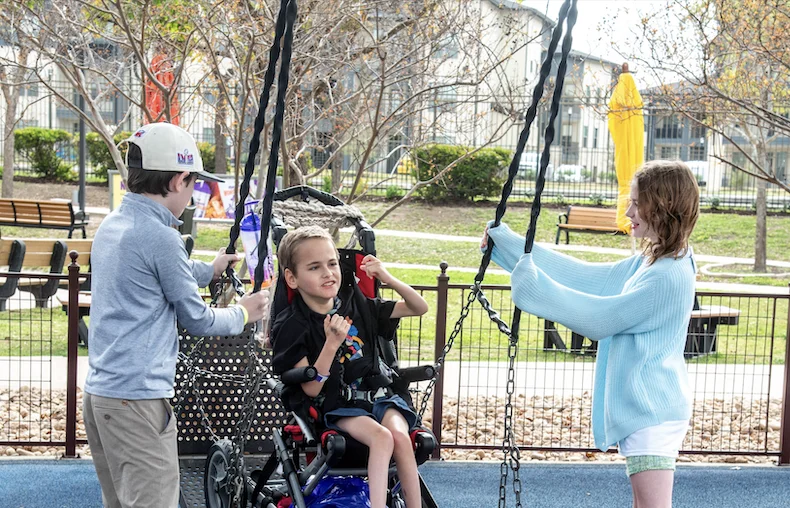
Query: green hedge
{"points": [[39, 146], [99, 154], [479, 175]]}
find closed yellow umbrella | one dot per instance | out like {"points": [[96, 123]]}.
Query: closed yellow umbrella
{"points": [[627, 126]]}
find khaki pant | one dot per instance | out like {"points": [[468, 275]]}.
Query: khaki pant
{"points": [[134, 449]]}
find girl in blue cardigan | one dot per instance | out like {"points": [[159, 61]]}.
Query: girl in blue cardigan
{"points": [[638, 310]]}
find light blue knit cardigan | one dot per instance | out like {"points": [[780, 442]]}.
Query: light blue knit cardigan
{"points": [[639, 313]]}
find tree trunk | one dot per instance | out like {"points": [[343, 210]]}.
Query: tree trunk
{"points": [[11, 94], [760, 235], [337, 176], [220, 138], [760, 250]]}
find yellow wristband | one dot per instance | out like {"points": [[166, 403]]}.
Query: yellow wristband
{"points": [[246, 314]]}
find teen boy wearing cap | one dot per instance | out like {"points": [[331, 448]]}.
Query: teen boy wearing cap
{"points": [[142, 282]]}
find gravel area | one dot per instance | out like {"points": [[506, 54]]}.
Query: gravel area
{"points": [[35, 415]]}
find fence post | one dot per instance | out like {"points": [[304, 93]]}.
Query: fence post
{"points": [[784, 432], [73, 338], [442, 283]]}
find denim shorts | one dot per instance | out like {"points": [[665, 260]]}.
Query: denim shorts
{"points": [[380, 406]]}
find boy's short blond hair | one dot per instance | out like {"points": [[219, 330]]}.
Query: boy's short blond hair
{"points": [[286, 252]]}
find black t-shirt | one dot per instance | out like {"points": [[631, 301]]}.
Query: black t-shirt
{"points": [[298, 332]]}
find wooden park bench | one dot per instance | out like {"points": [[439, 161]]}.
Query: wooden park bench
{"points": [[700, 338], [29, 213], [35, 253], [583, 219]]}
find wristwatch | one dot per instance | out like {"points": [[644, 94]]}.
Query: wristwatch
{"points": [[319, 378]]}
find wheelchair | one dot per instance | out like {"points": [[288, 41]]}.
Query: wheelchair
{"points": [[305, 453]]}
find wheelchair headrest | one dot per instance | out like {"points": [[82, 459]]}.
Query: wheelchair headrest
{"points": [[352, 276]]}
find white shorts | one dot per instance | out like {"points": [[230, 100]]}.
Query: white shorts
{"points": [[663, 440]]}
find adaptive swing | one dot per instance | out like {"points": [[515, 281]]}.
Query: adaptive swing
{"points": [[225, 480]]}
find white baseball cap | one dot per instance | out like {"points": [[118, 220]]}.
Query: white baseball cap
{"points": [[166, 147]]}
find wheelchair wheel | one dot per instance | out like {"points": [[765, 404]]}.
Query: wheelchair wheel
{"points": [[217, 483]]}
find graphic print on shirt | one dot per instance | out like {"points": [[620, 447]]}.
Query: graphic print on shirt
{"points": [[353, 345]]}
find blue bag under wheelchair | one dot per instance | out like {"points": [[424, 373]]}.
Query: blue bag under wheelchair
{"points": [[339, 492]]}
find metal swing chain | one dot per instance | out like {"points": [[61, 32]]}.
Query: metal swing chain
{"points": [[509, 441], [475, 293], [252, 383], [512, 454]]}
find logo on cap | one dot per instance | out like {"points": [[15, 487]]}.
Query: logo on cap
{"points": [[139, 133], [186, 158]]}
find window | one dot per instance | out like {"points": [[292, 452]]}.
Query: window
{"points": [[323, 151], [208, 135], [698, 131], [697, 153], [668, 127], [780, 166], [448, 48], [30, 89], [585, 132], [669, 152], [595, 137]]}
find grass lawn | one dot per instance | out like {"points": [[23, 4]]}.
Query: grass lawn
{"points": [[34, 332], [716, 234], [748, 342]]}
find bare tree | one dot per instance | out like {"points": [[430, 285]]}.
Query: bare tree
{"points": [[108, 49], [370, 81], [730, 69], [13, 77]]}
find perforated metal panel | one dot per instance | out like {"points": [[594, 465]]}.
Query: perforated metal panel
{"points": [[222, 400]]}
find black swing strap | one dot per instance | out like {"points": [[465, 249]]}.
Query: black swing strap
{"points": [[283, 34], [537, 95]]}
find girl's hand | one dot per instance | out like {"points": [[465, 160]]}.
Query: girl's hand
{"points": [[484, 241], [375, 268], [336, 329]]}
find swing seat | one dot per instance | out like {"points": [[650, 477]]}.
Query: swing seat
{"points": [[305, 451]]}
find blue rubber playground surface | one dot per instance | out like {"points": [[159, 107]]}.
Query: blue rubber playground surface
{"points": [[73, 484]]}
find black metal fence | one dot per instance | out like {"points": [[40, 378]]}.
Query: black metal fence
{"points": [[736, 348]]}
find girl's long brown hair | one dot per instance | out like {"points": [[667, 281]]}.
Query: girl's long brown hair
{"points": [[668, 197]]}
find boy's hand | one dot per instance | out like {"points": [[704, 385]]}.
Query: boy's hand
{"points": [[336, 328], [257, 305], [375, 268], [222, 261]]}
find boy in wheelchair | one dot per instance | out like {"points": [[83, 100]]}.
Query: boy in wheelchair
{"points": [[330, 328]]}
